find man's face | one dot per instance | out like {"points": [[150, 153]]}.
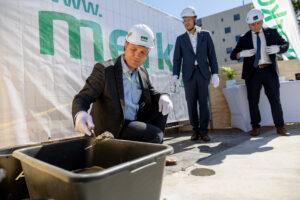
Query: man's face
{"points": [[189, 23], [256, 26], [134, 55]]}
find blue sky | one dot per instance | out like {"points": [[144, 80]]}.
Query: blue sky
{"points": [[203, 7]]}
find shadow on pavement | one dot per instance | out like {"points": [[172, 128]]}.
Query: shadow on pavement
{"points": [[253, 145], [189, 152]]}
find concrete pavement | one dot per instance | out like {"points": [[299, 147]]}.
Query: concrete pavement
{"points": [[234, 166]]}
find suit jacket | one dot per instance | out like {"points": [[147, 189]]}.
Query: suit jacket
{"points": [[104, 88], [185, 55], [245, 42]]}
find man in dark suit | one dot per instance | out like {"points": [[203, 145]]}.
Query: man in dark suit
{"points": [[124, 100], [259, 47], [195, 53]]}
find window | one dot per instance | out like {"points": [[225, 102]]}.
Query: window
{"points": [[213, 32], [199, 22], [227, 30], [237, 37], [222, 19], [236, 17], [223, 39], [229, 50], [225, 60]]}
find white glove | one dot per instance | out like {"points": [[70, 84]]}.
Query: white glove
{"points": [[83, 122], [272, 49], [247, 53], [175, 81], [165, 104], [215, 80]]}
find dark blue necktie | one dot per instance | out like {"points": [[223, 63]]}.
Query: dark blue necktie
{"points": [[257, 55]]}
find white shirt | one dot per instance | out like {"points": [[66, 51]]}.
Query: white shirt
{"points": [[193, 39], [264, 57]]}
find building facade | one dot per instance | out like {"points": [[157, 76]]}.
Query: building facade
{"points": [[226, 28]]}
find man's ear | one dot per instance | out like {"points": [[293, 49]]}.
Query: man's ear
{"points": [[125, 45]]}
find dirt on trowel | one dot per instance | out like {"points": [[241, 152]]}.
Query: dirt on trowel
{"points": [[100, 138]]}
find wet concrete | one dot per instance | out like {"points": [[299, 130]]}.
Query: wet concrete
{"points": [[202, 172]]}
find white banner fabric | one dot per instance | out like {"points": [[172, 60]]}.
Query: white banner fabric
{"points": [[48, 49], [280, 14]]}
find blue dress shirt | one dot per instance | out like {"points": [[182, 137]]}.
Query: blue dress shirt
{"points": [[132, 91]]}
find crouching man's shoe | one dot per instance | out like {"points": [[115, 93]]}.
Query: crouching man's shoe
{"points": [[255, 132], [282, 131], [170, 161]]}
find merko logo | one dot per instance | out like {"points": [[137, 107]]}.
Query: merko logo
{"points": [[46, 19]]}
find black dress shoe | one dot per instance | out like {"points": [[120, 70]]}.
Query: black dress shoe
{"points": [[205, 137], [195, 136]]}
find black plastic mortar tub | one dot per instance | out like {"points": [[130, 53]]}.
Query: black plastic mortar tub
{"points": [[132, 170], [12, 185]]}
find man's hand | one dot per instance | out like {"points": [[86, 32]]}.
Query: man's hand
{"points": [[215, 80], [175, 81], [247, 53], [84, 122], [165, 104], [272, 49]]}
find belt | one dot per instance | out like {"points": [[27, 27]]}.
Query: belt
{"points": [[196, 66], [264, 65]]}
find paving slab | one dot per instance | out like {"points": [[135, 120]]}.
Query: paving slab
{"points": [[234, 166]]}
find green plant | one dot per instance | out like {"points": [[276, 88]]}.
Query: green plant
{"points": [[229, 72]]}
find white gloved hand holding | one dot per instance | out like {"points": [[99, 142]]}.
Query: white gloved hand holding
{"points": [[84, 122], [165, 104], [215, 80], [175, 81], [272, 49], [247, 53]]}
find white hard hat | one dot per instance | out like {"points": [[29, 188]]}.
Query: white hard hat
{"points": [[188, 12], [254, 15], [141, 34]]}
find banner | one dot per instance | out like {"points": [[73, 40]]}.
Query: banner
{"points": [[280, 14], [49, 48]]}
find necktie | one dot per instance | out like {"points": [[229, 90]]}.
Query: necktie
{"points": [[257, 55]]}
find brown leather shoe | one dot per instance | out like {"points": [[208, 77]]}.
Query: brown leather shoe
{"points": [[205, 137], [195, 136], [255, 132], [171, 161], [282, 131]]}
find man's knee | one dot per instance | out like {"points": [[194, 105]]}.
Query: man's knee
{"points": [[155, 135], [158, 138]]}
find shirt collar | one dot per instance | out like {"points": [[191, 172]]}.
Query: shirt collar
{"points": [[125, 66], [261, 30], [198, 29]]}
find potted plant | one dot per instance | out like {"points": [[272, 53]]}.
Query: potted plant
{"points": [[230, 74]]}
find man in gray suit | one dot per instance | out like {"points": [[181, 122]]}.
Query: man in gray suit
{"points": [[195, 52], [124, 100]]}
